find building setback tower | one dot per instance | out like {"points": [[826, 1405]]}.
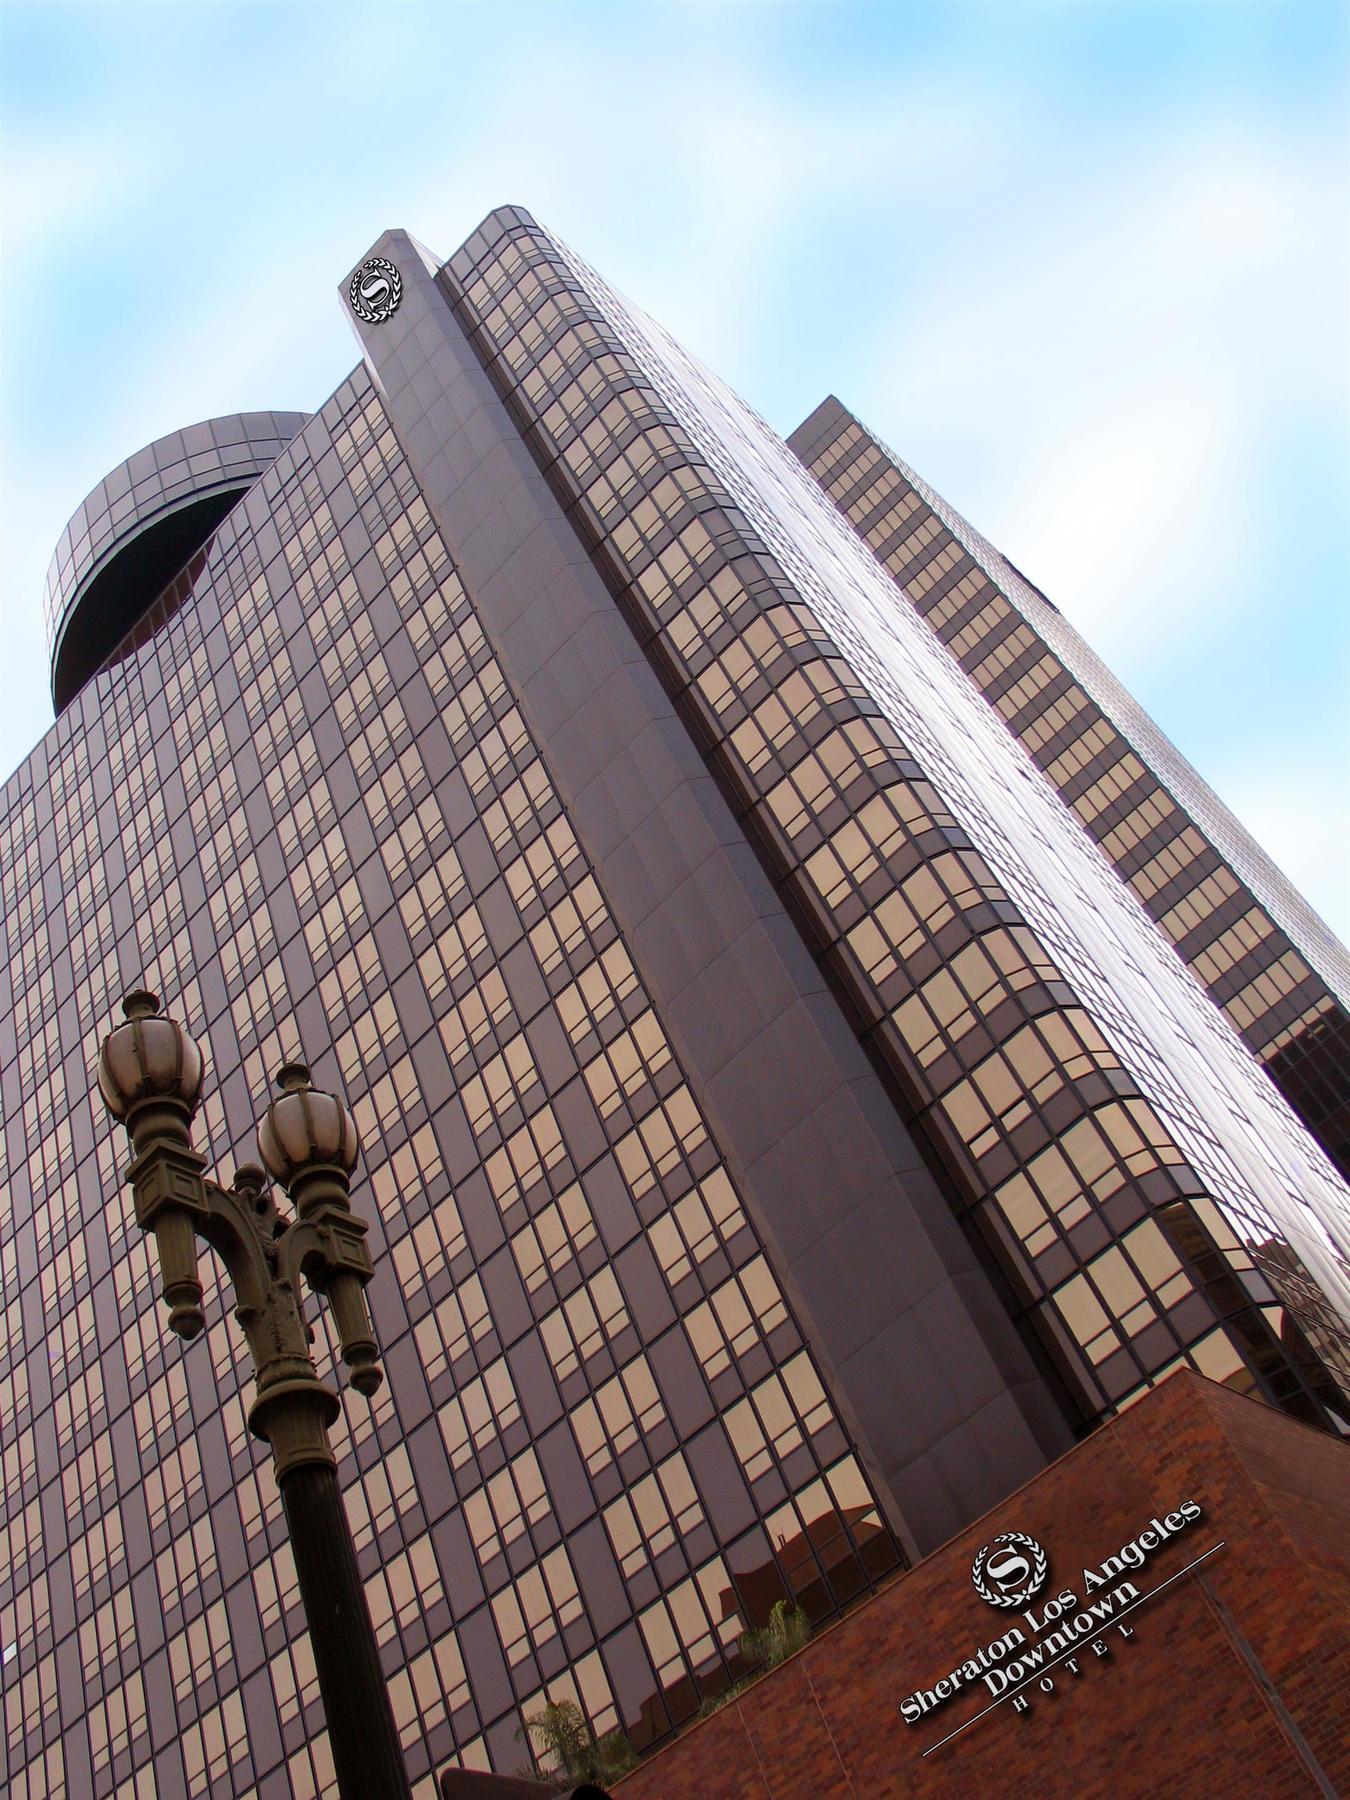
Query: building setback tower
{"points": [[786, 1132], [1250, 938]]}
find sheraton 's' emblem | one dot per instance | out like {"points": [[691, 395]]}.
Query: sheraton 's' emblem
{"points": [[376, 289], [1010, 1570]]}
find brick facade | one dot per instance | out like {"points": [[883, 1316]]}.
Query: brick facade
{"points": [[1236, 1680]]}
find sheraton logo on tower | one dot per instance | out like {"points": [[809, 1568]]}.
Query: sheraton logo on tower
{"points": [[375, 290]]}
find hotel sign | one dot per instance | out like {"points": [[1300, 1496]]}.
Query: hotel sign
{"points": [[1063, 1633]]}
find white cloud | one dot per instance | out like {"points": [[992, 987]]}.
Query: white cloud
{"points": [[1132, 345], [55, 192]]}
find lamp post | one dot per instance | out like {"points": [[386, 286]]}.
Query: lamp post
{"points": [[150, 1076]]}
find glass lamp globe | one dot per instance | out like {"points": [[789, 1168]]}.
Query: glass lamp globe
{"points": [[148, 1058], [305, 1129]]}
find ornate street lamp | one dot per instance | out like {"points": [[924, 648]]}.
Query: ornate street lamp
{"points": [[150, 1076]]}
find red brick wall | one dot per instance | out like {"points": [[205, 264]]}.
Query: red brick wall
{"points": [[1178, 1710]]}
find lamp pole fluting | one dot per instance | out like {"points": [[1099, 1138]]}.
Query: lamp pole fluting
{"points": [[150, 1075]]}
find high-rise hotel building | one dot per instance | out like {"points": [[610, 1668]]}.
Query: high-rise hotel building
{"points": [[805, 1026]]}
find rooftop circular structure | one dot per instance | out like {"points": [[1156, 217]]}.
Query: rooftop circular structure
{"points": [[133, 533]]}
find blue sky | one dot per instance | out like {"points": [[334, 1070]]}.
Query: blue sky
{"points": [[1084, 266]]}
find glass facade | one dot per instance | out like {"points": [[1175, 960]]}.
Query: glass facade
{"points": [[307, 809], [1117, 1146], [1268, 961], [325, 798]]}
